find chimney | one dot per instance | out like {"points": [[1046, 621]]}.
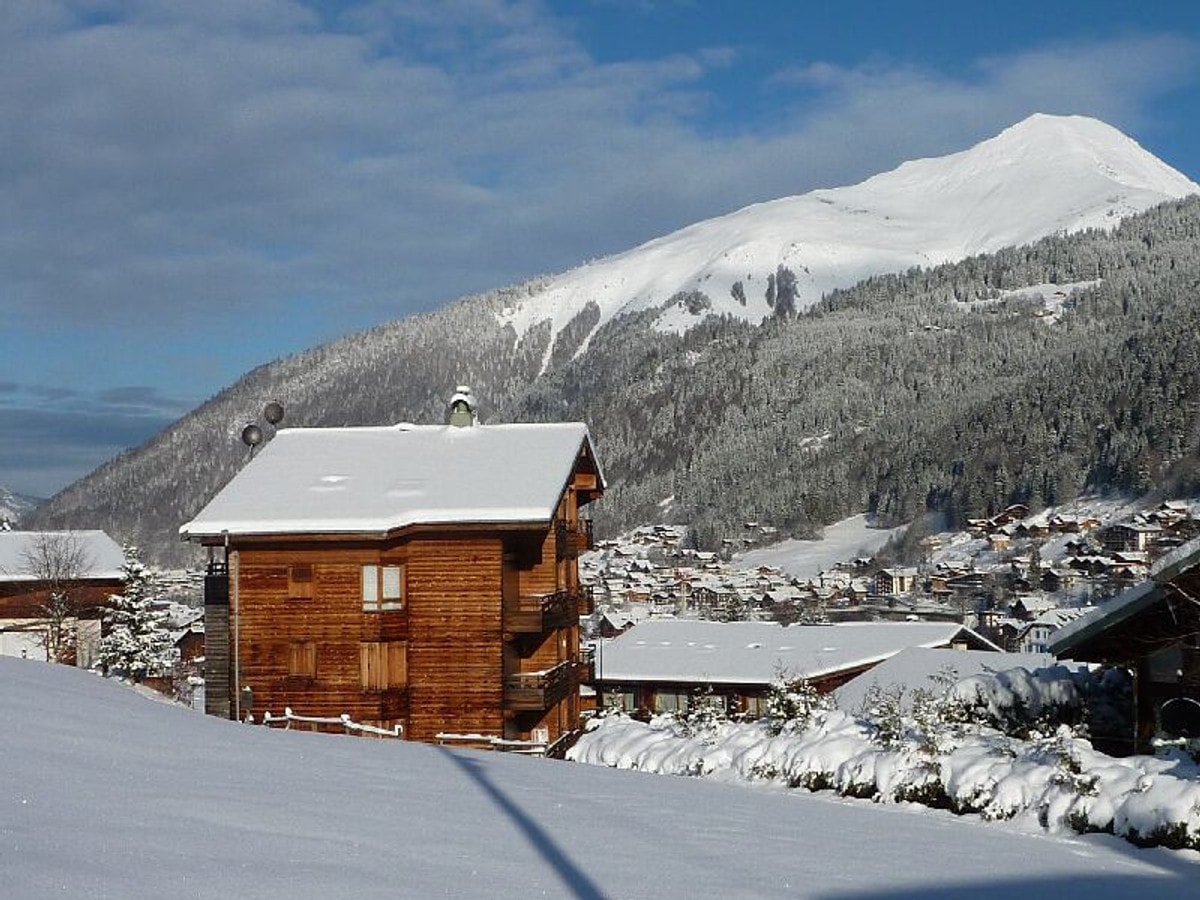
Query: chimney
{"points": [[462, 407]]}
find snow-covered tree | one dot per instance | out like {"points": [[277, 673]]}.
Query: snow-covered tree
{"points": [[137, 643], [792, 702]]}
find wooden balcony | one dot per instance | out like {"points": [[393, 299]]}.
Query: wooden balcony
{"points": [[539, 690], [573, 538], [585, 666], [587, 600], [536, 613]]}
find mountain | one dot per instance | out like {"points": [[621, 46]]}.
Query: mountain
{"points": [[700, 404], [1045, 175], [13, 506]]}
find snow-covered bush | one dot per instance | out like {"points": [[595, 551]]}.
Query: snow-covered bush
{"points": [[1002, 746], [1017, 702], [791, 704]]}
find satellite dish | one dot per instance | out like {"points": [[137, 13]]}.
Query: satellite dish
{"points": [[252, 435], [273, 412], [1180, 717]]}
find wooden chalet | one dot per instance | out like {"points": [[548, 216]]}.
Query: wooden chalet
{"points": [[89, 563], [420, 577], [1151, 630], [665, 665]]}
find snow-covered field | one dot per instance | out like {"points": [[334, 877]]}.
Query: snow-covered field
{"points": [[841, 542], [106, 795]]}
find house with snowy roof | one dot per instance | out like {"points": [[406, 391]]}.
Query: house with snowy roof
{"points": [[1150, 630], [83, 566], [665, 665], [415, 578]]}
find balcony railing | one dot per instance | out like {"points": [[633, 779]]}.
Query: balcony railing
{"points": [[539, 690], [535, 613], [573, 538], [587, 599]]}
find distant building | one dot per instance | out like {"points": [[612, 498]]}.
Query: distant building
{"points": [[895, 581], [24, 593]]}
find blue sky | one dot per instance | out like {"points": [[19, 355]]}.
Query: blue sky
{"points": [[188, 190]]}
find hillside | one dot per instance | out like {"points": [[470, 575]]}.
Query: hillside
{"points": [[107, 794], [856, 396], [945, 390]]}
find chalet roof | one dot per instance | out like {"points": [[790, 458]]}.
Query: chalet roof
{"points": [[101, 555], [1133, 601], [378, 479], [688, 650]]}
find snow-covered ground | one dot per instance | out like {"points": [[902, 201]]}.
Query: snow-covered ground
{"points": [[106, 795], [841, 542]]}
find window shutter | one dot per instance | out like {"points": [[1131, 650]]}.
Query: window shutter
{"points": [[383, 665], [300, 582], [397, 653], [302, 659]]}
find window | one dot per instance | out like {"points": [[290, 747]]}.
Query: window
{"points": [[622, 700], [302, 659], [756, 707], [382, 588], [665, 701], [383, 664], [300, 582]]}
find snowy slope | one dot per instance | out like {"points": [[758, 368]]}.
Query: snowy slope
{"points": [[1041, 176], [104, 794], [840, 542]]}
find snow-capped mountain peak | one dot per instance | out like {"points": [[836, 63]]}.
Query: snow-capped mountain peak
{"points": [[1043, 175]]}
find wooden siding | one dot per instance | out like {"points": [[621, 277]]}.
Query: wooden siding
{"points": [[455, 658]]}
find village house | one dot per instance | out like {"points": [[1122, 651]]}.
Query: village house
{"points": [[1131, 537], [665, 665], [84, 566], [1036, 635], [415, 578]]}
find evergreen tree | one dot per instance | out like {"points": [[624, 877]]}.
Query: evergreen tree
{"points": [[138, 643]]}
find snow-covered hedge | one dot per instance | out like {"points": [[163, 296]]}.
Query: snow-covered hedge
{"points": [[976, 749]]}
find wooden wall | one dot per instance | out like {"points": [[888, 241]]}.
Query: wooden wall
{"points": [[455, 658]]}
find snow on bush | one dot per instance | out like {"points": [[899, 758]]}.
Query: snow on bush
{"points": [[1008, 745]]}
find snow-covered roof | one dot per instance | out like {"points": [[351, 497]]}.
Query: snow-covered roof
{"points": [[688, 650], [101, 556], [378, 479], [918, 668]]}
